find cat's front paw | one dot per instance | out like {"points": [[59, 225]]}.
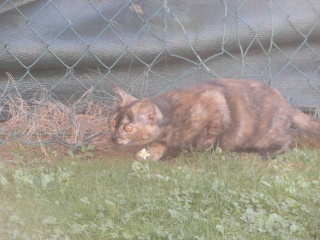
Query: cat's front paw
{"points": [[144, 155], [154, 152]]}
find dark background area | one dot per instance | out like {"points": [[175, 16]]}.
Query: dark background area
{"points": [[147, 47]]}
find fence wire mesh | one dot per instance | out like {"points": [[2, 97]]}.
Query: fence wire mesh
{"points": [[59, 60]]}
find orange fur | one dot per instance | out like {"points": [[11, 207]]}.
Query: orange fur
{"points": [[237, 115]]}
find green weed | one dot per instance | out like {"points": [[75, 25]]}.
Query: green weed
{"points": [[196, 196]]}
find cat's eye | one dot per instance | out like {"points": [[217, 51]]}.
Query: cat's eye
{"points": [[113, 123], [128, 128]]}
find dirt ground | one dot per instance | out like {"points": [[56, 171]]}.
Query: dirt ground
{"points": [[100, 148], [16, 151]]}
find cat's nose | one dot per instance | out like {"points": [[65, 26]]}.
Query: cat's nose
{"points": [[114, 136]]}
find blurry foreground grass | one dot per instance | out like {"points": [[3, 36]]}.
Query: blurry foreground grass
{"points": [[196, 196]]}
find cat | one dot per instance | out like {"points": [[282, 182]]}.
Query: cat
{"points": [[236, 115]]}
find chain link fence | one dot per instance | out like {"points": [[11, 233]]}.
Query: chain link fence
{"points": [[59, 60]]}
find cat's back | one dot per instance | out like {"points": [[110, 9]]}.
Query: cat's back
{"points": [[231, 91], [189, 95], [233, 101]]}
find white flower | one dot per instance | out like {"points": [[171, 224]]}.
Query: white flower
{"points": [[144, 154]]}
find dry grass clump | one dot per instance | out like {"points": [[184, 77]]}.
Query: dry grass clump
{"points": [[52, 121], [46, 120]]}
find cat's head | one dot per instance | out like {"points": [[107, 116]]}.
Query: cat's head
{"points": [[136, 122]]}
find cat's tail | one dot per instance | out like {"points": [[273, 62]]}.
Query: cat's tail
{"points": [[306, 123]]}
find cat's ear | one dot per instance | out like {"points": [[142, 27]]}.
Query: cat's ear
{"points": [[148, 112], [122, 97]]}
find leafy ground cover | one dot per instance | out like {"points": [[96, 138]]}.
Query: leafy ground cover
{"points": [[195, 196]]}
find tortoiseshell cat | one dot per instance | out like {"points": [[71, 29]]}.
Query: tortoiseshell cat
{"points": [[236, 115]]}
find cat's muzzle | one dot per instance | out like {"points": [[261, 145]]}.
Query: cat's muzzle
{"points": [[115, 138]]}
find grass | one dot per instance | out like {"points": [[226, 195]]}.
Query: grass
{"points": [[196, 196]]}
